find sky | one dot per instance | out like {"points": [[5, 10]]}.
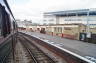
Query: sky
{"points": [[34, 9]]}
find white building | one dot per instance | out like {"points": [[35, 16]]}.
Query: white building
{"points": [[70, 16]]}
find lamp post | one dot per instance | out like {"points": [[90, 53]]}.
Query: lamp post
{"points": [[88, 25]]}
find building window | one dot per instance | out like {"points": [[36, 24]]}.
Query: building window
{"points": [[58, 29], [73, 20], [51, 20], [44, 20]]}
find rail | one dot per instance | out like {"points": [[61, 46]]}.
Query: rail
{"points": [[29, 51]]}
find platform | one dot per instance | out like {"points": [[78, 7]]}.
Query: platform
{"points": [[81, 48]]}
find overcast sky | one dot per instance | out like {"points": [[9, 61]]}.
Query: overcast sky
{"points": [[33, 9]]}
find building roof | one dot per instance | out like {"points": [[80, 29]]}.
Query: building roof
{"points": [[62, 24], [81, 12]]}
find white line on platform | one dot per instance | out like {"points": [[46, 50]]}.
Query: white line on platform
{"points": [[72, 53]]}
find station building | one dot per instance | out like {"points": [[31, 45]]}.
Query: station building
{"points": [[67, 24], [70, 23]]}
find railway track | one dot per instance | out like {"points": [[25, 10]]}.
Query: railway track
{"points": [[26, 52], [36, 54]]}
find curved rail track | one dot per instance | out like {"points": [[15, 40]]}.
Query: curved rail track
{"points": [[36, 54]]}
